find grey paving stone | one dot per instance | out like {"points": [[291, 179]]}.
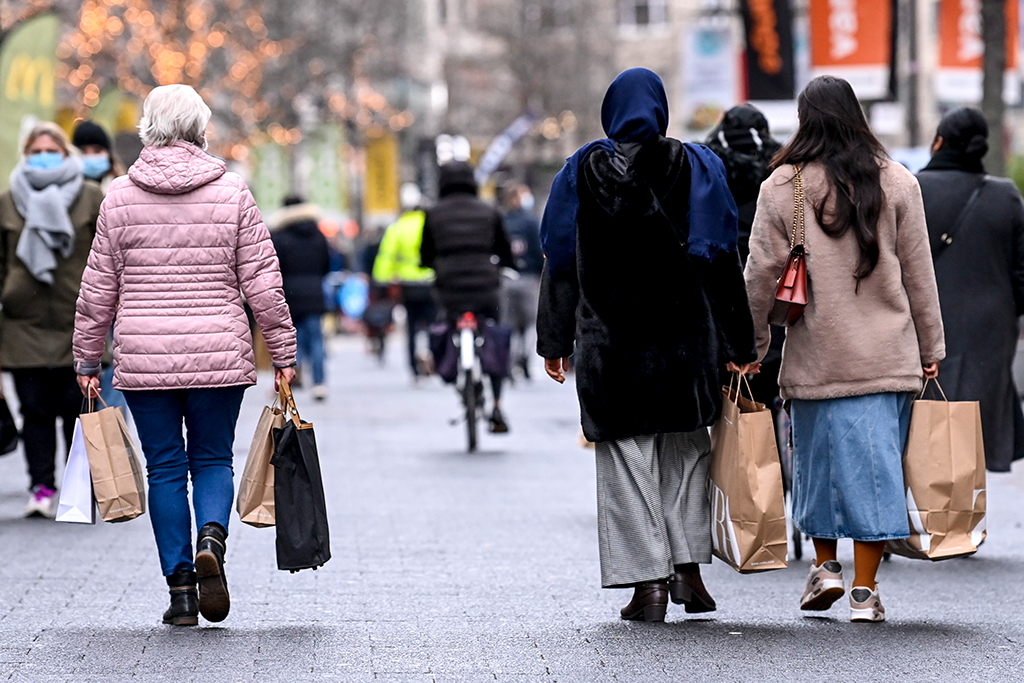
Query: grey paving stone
{"points": [[449, 568]]}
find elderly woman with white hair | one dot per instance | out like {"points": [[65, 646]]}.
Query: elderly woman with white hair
{"points": [[179, 241]]}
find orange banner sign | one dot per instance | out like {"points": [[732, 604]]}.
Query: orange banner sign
{"points": [[961, 50], [960, 43], [852, 39]]}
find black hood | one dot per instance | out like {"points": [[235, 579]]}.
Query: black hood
{"points": [[743, 129], [455, 177]]}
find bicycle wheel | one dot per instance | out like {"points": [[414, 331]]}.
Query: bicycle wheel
{"points": [[469, 399]]}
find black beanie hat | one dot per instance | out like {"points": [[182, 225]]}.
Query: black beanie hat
{"points": [[89, 133]]}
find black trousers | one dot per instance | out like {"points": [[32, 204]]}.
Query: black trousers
{"points": [[46, 394], [421, 311]]}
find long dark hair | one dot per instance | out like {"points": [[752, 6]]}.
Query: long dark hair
{"points": [[834, 132]]}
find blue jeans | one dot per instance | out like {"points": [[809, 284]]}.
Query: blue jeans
{"points": [[113, 397], [209, 416], [309, 338]]}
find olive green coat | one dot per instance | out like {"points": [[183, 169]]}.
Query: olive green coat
{"points": [[39, 319]]}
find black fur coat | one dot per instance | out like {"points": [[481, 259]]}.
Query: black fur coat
{"points": [[651, 327]]}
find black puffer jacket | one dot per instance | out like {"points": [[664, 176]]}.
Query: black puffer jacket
{"points": [[652, 326], [305, 259], [466, 245]]}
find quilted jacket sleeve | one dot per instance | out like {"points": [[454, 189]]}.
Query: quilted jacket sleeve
{"points": [[259, 276], [97, 301]]}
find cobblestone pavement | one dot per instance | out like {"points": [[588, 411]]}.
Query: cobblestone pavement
{"points": [[456, 567]]}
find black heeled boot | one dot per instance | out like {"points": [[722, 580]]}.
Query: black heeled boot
{"points": [[649, 603], [214, 601], [687, 588], [184, 609]]}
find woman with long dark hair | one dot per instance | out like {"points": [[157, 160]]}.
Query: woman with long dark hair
{"points": [[871, 332]]}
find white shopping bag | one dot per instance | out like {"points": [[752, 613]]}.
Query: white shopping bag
{"points": [[76, 499]]}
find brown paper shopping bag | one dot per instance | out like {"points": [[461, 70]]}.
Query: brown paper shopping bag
{"points": [[745, 486], [255, 503], [944, 475], [117, 478]]}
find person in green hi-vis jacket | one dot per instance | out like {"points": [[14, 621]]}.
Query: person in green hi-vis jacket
{"points": [[398, 263]]}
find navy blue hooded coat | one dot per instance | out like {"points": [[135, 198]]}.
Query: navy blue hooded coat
{"points": [[651, 324]]}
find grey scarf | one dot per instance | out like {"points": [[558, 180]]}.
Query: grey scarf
{"points": [[43, 198]]}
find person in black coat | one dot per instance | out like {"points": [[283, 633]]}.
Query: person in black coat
{"points": [[979, 266], [466, 245], [744, 143], [643, 284], [519, 310], [305, 260]]}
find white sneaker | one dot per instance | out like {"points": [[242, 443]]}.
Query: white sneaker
{"points": [[824, 587], [866, 605], [42, 502], [319, 392]]}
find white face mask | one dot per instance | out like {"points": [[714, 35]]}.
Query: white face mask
{"points": [[526, 201]]}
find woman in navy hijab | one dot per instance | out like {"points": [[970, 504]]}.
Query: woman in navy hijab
{"points": [[642, 283]]}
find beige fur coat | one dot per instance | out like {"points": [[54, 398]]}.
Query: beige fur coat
{"points": [[851, 341]]}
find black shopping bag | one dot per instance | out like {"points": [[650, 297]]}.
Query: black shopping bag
{"points": [[8, 430], [446, 354], [303, 540], [496, 351]]}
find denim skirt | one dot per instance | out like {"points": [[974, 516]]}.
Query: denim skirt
{"points": [[848, 466]]}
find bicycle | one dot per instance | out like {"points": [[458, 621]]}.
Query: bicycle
{"points": [[469, 381]]}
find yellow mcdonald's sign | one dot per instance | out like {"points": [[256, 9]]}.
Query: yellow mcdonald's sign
{"points": [[382, 176], [28, 59], [30, 79]]}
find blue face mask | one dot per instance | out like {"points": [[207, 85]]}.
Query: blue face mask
{"points": [[46, 161], [95, 166]]}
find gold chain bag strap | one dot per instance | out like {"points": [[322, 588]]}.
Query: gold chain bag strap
{"points": [[791, 293]]}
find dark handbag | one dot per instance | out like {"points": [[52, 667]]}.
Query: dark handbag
{"points": [[8, 429], [444, 351], [303, 538], [496, 351], [791, 294]]}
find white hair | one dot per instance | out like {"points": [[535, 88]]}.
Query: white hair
{"points": [[174, 112]]}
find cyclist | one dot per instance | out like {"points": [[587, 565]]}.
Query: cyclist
{"points": [[465, 243]]}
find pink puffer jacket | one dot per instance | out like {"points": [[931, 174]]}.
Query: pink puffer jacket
{"points": [[175, 242]]}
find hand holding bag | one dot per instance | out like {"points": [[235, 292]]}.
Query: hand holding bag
{"points": [[944, 476], [791, 295], [117, 477], [748, 511]]}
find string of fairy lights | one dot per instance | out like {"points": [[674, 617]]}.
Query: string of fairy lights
{"points": [[221, 47]]}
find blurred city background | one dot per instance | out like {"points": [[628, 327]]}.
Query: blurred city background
{"points": [[343, 101]]}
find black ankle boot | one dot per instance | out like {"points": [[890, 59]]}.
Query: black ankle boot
{"points": [[184, 609], [214, 602]]}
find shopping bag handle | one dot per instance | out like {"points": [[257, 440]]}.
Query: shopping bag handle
{"points": [[740, 379], [89, 401], [925, 388], [284, 395]]}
